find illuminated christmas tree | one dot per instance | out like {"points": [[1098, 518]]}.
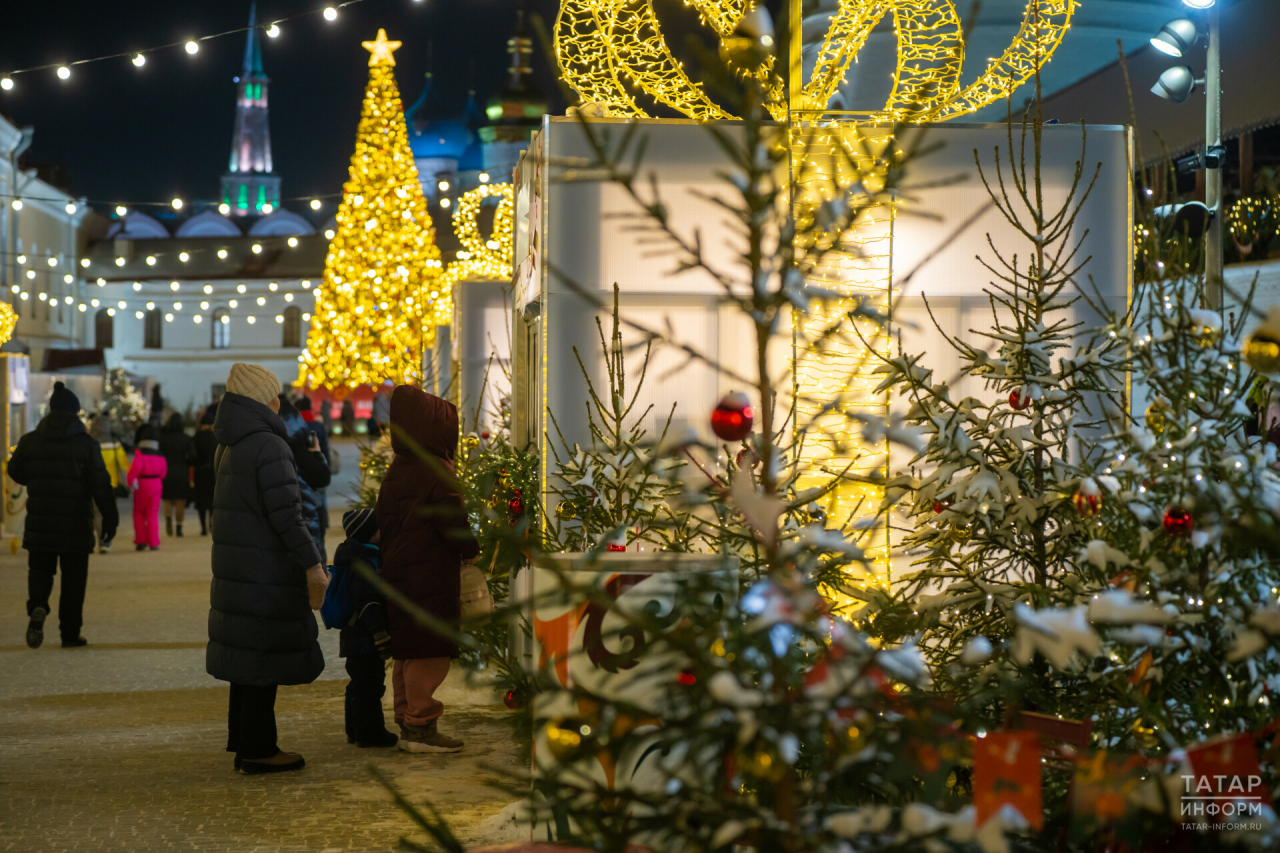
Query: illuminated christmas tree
{"points": [[383, 291]]}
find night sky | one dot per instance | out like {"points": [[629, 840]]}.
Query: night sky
{"points": [[150, 134]]}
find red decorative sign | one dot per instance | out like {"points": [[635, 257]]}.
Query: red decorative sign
{"points": [[1006, 772]]}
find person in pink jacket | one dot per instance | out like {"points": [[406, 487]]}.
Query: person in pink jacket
{"points": [[146, 476]]}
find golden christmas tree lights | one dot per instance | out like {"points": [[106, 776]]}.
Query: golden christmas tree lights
{"points": [[384, 290]]}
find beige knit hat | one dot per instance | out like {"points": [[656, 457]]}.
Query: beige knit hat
{"points": [[253, 381]]}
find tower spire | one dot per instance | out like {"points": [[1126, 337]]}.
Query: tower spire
{"points": [[252, 51], [250, 184]]}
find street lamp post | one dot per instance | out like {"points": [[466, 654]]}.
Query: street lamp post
{"points": [[1214, 156], [1177, 84]]}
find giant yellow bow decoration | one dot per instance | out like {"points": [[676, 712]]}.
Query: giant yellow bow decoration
{"points": [[605, 46]]}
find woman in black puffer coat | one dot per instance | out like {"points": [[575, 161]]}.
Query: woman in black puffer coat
{"points": [[267, 574], [179, 454], [313, 471]]}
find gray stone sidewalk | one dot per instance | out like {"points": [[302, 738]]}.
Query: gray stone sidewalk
{"points": [[119, 746]]}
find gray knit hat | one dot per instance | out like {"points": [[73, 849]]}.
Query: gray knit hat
{"points": [[253, 381]]}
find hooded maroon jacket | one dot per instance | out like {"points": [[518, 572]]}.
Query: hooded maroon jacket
{"points": [[425, 534]]}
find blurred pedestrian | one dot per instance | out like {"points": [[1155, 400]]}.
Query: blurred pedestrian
{"points": [[146, 476], [303, 405], [178, 452], [61, 466], [348, 419], [313, 471], [117, 462], [204, 446]]}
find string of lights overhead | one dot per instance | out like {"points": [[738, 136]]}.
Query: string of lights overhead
{"points": [[121, 208], [191, 46]]}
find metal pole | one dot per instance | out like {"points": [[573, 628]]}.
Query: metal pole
{"points": [[1213, 168], [795, 64]]}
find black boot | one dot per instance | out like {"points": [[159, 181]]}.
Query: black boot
{"points": [[168, 525], [382, 739], [179, 533], [141, 546]]}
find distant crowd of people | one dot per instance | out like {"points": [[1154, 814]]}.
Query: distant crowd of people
{"points": [[257, 468]]}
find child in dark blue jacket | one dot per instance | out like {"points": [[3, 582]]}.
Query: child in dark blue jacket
{"points": [[364, 640]]}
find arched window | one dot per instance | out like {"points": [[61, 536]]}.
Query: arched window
{"points": [[221, 328], [104, 329], [292, 327], [152, 329]]}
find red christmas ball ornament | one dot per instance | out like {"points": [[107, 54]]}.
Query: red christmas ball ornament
{"points": [[516, 504], [731, 419], [615, 548], [687, 678], [1087, 505], [1177, 521], [512, 700], [940, 507], [1017, 401]]}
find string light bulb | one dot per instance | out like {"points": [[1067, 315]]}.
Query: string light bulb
{"points": [[70, 208], [16, 204], [121, 210], [330, 13], [315, 204], [268, 208], [6, 83], [192, 47], [224, 208], [64, 73], [273, 31], [177, 204], [139, 60]]}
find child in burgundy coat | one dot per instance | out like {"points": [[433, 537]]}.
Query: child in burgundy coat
{"points": [[146, 476]]}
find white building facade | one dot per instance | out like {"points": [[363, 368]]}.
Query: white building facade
{"points": [[182, 309], [40, 252]]}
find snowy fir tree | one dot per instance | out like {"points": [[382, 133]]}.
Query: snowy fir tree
{"points": [[383, 291], [124, 405], [610, 494], [997, 506]]}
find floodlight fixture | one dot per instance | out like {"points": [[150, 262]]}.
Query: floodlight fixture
{"points": [[1176, 37], [1177, 84]]}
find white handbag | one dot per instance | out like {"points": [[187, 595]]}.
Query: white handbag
{"points": [[474, 595]]}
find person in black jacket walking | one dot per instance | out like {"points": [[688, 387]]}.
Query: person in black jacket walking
{"points": [[62, 468], [178, 452], [313, 471], [267, 574]]}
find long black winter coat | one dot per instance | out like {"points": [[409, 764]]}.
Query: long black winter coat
{"points": [[180, 455], [261, 628], [61, 466], [205, 446]]}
